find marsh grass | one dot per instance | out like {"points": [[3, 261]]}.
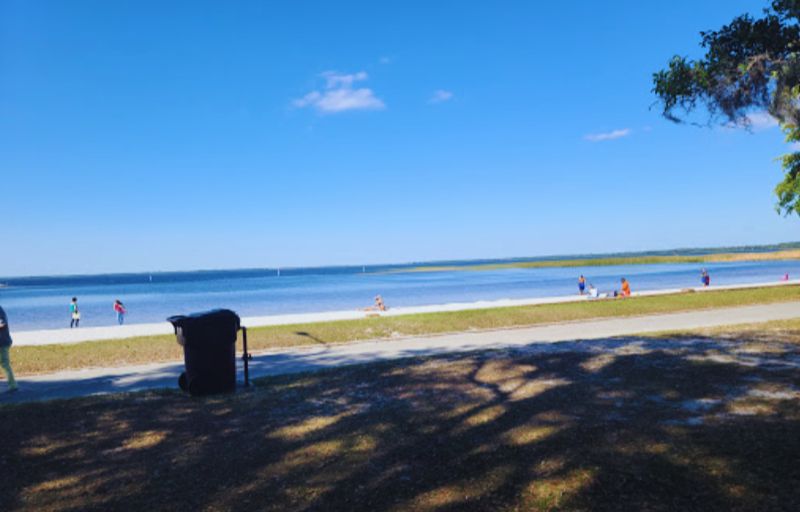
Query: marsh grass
{"points": [[792, 254]]}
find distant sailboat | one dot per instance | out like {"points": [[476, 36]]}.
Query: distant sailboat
{"points": [[279, 272], [151, 278]]}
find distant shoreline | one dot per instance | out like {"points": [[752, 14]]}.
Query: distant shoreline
{"points": [[681, 255], [791, 254]]}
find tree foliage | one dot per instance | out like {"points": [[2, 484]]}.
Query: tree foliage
{"points": [[750, 65]]}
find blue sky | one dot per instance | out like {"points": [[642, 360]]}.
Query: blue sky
{"points": [[183, 135]]}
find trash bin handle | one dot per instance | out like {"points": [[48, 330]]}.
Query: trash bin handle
{"points": [[245, 357]]}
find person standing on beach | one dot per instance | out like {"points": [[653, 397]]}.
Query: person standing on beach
{"points": [[581, 285], [74, 313], [705, 278], [5, 348], [120, 310]]}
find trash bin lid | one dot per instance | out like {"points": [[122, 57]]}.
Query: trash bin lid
{"points": [[199, 324]]}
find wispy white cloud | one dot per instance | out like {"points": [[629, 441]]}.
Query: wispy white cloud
{"points": [[339, 95], [339, 100], [761, 121], [754, 121], [440, 96], [334, 79], [614, 134]]}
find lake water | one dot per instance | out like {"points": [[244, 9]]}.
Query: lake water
{"points": [[43, 302]]}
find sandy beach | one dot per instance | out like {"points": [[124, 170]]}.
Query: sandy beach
{"points": [[61, 336]]}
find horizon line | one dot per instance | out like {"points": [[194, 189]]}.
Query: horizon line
{"points": [[419, 262]]}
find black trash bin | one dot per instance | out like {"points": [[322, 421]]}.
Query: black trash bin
{"points": [[209, 350]]}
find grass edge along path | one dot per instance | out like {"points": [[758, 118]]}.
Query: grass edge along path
{"points": [[29, 360]]}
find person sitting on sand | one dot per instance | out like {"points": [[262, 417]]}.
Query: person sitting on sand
{"points": [[379, 305], [593, 293], [626, 288]]}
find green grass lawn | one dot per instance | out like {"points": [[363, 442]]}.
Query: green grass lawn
{"points": [[637, 423], [49, 358]]}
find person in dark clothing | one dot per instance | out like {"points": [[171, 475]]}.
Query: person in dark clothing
{"points": [[5, 347]]}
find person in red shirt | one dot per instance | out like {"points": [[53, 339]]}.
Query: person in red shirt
{"points": [[120, 310]]}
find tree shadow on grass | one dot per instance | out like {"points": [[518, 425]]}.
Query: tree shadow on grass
{"points": [[618, 424]]}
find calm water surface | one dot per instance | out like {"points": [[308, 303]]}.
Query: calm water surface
{"points": [[43, 302]]}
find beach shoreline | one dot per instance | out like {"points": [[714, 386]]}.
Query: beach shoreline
{"points": [[116, 332]]}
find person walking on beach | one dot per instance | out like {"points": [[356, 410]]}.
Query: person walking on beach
{"points": [[5, 347], [626, 288], [74, 313], [120, 310], [581, 285]]}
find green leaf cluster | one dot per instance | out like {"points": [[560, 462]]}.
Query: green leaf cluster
{"points": [[750, 65]]}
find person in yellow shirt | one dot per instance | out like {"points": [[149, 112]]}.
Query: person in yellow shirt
{"points": [[626, 288]]}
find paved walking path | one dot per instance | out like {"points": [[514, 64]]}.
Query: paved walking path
{"points": [[59, 336], [136, 378]]}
